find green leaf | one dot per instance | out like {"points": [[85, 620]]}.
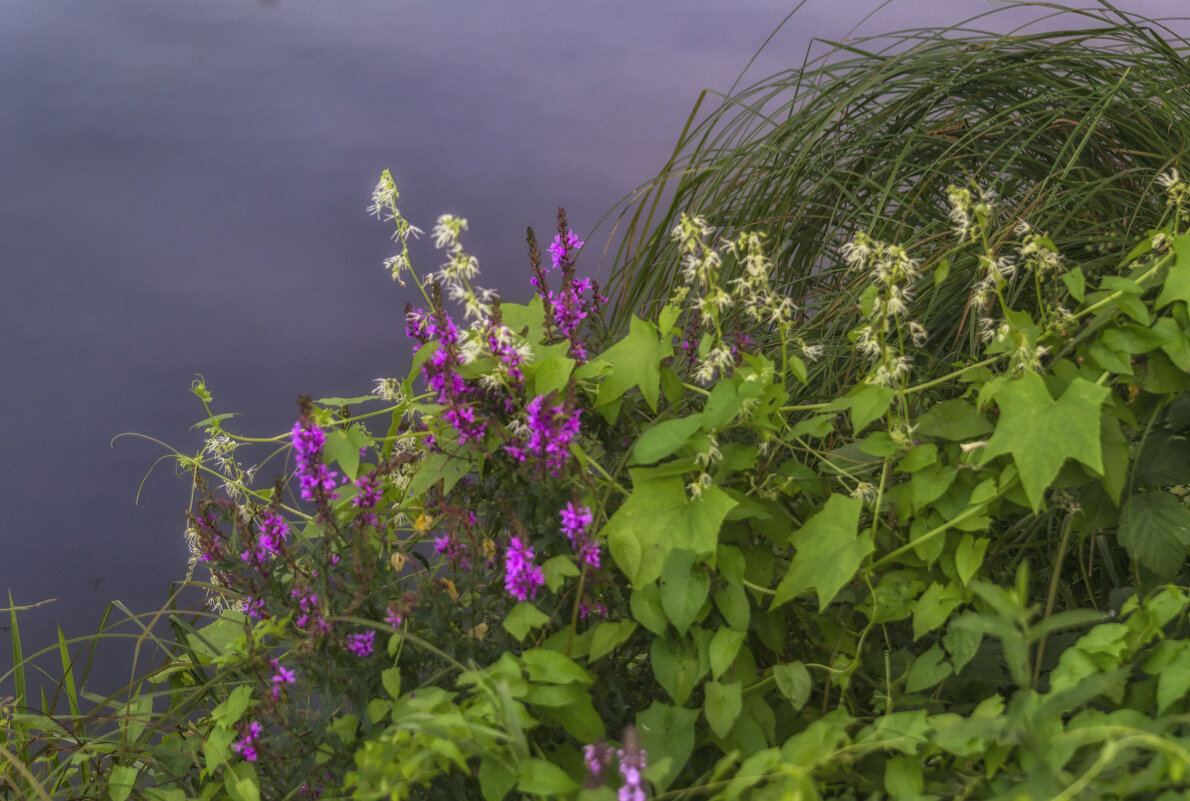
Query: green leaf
{"points": [[661, 439], [544, 778], [961, 643], [525, 320], [1155, 530], [968, 556], [675, 664], [608, 636], [636, 362], [954, 420], [919, 457], [336, 403], [553, 372], [684, 587], [1076, 283], [667, 732], [928, 669], [391, 679], [732, 602], [830, 549], [546, 666], [524, 617], [233, 707], [725, 644], [557, 569], [902, 778], [794, 682], [722, 705], [120, 781], [817, 427], [496, 778], [868, 402], [1164, 461], [645, 605], [437, 467], [1173, 682], [241, 783], [343, 446], [1041, 433], [215, 418], [658, 517], [934, 607], [1177, 280]]}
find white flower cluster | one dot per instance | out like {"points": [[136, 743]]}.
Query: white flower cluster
{"points": [[751, 292], [882, 336], [384, 206]]}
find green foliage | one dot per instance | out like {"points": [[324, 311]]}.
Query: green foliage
{"points": [[751, 549]]}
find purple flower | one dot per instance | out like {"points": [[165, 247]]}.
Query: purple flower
{"points": [[560, 249], [281, 677], [633, 762], [522, 578], [551, 430], [274, 529], [369, 492], [449, 546], [245, 745], [361, 644], [597, 757], [314, 477], [575, 520]]}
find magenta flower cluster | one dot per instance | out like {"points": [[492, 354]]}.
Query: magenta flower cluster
{"points": [[552, 427], [274, 530], [633, 762], [309, 613], [362, 644], [570, 304], [314, 477], [522, 578], [367, 498], [440, 371], [246, 745], [575, 520]]}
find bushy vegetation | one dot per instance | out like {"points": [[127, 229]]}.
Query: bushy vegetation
{"points": [[911, 525]]}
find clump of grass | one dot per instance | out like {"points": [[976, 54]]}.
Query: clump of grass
{"points": [[1068, 127]]}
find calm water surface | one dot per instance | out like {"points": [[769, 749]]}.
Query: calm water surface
{"points": [[182, 191]]}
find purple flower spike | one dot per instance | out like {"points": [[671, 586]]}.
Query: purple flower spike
{"points": [[362, 644], [522, 579]]}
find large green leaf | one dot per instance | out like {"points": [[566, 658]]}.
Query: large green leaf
{"points": [[684, 588], [1177, 280], [667, 732], [658, 517], [1155, 530], [662, 439], [830, 549], [722, 705], [954, 420], [636, 362], [1041, 433]]}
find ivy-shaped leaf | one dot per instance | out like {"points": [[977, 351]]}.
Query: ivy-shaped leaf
{"points": [[1041, 433], [830, 549], [636, 362], [658, 517], [1155, 530]]}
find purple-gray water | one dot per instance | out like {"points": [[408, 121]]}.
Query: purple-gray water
{"points": [[182, 190]]}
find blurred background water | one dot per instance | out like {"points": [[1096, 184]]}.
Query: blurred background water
{"points": [[182, 192]]}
